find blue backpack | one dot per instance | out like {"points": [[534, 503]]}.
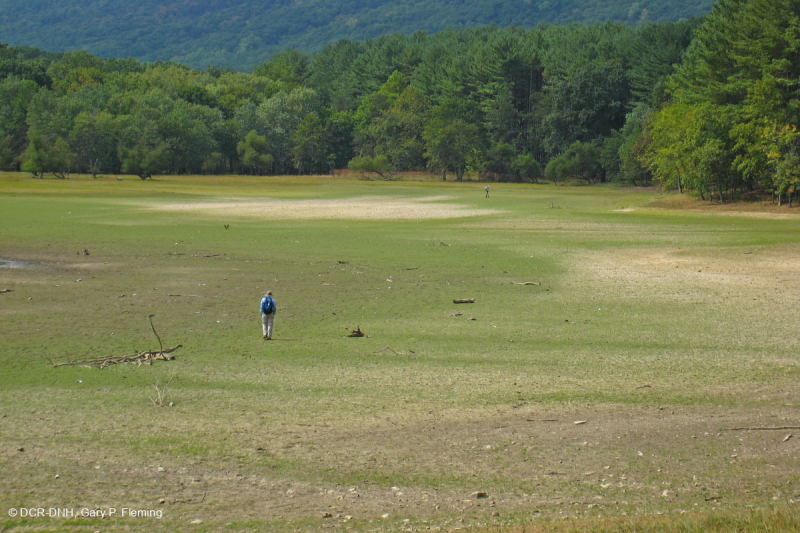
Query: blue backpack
{"points": [[267, 305]]}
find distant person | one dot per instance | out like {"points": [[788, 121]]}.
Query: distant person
{"points": [[268, 310], [487, 191]]}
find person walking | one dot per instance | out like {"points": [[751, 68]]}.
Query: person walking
{"points": [[268, 311], [487, 191]]}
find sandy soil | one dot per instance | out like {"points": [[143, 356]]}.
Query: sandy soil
{"points": [[756, 274], [373, 208], [578, 461]]}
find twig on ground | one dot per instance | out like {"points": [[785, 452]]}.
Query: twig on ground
{"points": [[464, 301], [4, 291], [525, 283], [161, 393], [389, 349], [760, 428]]}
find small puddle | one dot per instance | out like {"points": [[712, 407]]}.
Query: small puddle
{"points": [[13, 263]]}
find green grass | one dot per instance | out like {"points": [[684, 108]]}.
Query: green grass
{"points": [[612, 334]]}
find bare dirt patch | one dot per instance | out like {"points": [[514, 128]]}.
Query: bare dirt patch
{"points": [[761, 209], [743, 272], [752, 296], [368, 208]]}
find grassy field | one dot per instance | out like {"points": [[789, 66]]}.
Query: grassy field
{"points": [[614, 394]]}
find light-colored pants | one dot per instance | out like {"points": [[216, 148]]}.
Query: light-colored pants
{"points": [[266, 323]]}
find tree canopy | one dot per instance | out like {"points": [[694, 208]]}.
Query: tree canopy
{"points": [[731, 123], [500, 103]]}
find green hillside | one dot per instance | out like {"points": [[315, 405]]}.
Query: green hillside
{"points": [[244, 33]]}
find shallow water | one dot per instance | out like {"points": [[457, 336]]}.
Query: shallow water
{"points": [[11, 263]]}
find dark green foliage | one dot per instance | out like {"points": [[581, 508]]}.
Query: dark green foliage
{"points": [[526, 168], [242, 33], [452, 145], [499, 103], [26, 64], [43, 156], [499, 163], [144, 161], [253, 152], [310, 146], [732, 122], [586, 106], [15, 98], [379, 164], [580, 162]]}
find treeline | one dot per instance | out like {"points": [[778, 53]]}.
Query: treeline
{"points": [[510, 104], [731, 123]]}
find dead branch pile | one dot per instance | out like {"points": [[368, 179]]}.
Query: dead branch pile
{"points": [[141, 358]]}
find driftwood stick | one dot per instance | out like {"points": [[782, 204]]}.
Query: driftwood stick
{"points": [[387, 349], [761, 428], [160, 346]]}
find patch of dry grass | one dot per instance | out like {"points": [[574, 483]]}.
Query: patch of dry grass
{"points": [[362, 208]]}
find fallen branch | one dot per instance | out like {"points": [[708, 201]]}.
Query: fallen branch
{"points": [[142, 358], [525, 283], [389, 349], [6, 290], [761, 429], [464, 301]]}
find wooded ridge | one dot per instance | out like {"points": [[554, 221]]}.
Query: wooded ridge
{"points": [[712, 109], [244, 33]]}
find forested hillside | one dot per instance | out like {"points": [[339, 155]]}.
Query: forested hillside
{"points": [[244, 33], [509, 104], [712, 109]]}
